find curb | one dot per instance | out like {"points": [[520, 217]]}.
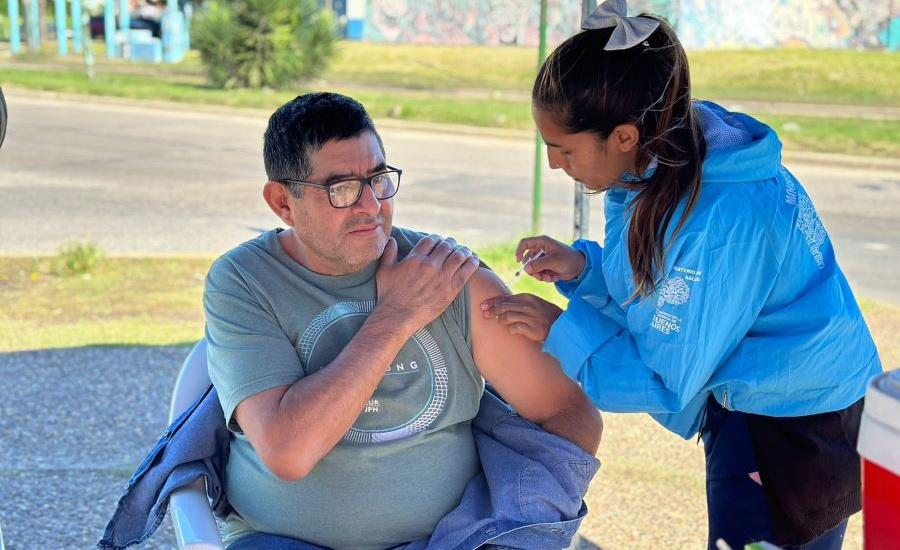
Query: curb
{"points": [[838, 160], [788, 155]]}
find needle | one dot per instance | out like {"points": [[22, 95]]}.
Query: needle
{"points": [[521, 270]]}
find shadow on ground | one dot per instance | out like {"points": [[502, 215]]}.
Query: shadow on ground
{"points": [[75, 424]]}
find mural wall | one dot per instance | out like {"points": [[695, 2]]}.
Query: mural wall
{"points": [[873, 24], [486, 22]]}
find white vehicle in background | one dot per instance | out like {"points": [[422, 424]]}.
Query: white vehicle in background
{"points": [[3, 118]]}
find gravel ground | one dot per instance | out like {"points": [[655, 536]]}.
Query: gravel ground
{"points": [[78, 422]]}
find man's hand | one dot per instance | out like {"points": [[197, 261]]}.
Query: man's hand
{"points": [[524, 314], [560, 262], [412, 292]]}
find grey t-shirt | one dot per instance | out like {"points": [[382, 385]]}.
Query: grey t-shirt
{"points": [[406, 460]]}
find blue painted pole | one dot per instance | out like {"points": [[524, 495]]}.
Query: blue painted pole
{"points": [[173, 33], [34, 26], [77, 25], [109, 28], [188, 15], [59, 15], [15, 40], [170, 39], [125, 22]]}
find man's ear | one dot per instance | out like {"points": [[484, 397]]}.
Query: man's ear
{"points": [[278, 197], [625, 137]]}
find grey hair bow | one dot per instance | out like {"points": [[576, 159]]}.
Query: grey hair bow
{"points": [[629, 31]]}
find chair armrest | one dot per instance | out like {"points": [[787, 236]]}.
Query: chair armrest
{"points": [[195, 525]]}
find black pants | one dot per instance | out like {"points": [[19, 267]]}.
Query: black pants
{"points": [[738, 510]]}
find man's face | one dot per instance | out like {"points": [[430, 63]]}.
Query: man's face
{"points": [[338, 241]]}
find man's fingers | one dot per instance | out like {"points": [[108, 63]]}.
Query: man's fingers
{"points": [[426, 244], [443, 249], [457, 257], [464, 272]]}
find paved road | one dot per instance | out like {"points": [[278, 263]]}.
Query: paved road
{"points": [[154, 181]]}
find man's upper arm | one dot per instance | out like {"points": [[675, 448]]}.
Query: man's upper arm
{"points": [[530, 380], [248, 351]]}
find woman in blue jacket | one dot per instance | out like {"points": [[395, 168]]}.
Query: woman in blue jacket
{"points": [[715, 303]]}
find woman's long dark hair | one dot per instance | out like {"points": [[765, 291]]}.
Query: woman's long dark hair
{"points": [[589, 89]]}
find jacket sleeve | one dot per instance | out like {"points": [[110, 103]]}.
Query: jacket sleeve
{"points": [[590, 285], [664, 350]]}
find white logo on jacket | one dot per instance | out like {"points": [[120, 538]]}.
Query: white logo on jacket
{"points": [[808, 221], [675, 291]]}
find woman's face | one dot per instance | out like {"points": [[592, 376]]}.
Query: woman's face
{"points": [[594, 162]]}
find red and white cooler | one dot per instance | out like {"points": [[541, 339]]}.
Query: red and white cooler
{"points": [[879, 446]]}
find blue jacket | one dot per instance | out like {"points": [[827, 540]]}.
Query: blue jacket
{"points": [[528, 496], [751, 304]]}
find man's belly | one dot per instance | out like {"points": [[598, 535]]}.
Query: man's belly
{"points": [[360, 497]]}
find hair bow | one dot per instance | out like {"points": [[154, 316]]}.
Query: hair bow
{"points": [[629, 31]]}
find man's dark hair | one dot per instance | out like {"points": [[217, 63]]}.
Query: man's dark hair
{"points": [[304, 125]]}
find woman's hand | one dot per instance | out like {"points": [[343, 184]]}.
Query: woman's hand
{"points": [[560, 262], [524, 314]]}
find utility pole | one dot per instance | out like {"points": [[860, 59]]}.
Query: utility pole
{"points": [[85, 26], [537, 192], [581, 225]]}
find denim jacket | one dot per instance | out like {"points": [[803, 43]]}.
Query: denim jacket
{"points": [[528, 496]]}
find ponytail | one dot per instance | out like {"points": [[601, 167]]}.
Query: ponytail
{"points": [[589, 89]]}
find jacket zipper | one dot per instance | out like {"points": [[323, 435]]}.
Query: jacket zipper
{"points": [[725, 400]]}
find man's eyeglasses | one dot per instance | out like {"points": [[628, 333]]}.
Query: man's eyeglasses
{"points": [[346, 193]]}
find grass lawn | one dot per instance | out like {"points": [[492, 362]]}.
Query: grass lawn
{"points": [[423, 83], [123, 302], [157, 301], [817, 76]]}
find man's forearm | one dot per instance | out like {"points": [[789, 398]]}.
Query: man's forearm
{"points": [[317, 411]]}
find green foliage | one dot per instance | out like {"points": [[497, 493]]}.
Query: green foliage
{"points": [[263, 43], [77, 258]]}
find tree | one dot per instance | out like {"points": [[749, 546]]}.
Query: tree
{"points": [[263, 43]]}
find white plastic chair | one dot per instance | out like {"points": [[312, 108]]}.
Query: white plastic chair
{"points": [[193, 519]]}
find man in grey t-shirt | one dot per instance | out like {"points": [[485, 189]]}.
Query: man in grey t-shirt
{"points": [[350, 356]]}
